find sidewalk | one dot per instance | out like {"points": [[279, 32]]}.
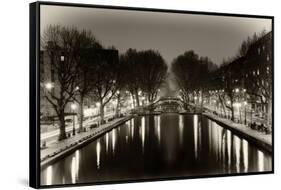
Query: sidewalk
{"points": [[262, 139], [59, 149]]}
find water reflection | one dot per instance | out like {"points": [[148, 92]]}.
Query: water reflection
{"points": [[260, 161], [181, 129], [113, 139], [132, 122], [159, 146], [195, 126], [106, 142], [245, 155], [98, 150], [142, 132], [237, 146], [157, 124], [75, 166], [49, 175], [228, 137]]}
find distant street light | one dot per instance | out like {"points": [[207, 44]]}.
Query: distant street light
{"points": [[49, 85], [73, 108], [237, 90]]}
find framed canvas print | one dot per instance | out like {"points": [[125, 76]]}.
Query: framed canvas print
{"points": [[120, 94]]}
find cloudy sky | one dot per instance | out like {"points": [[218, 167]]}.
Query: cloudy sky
{"points": [[170, 33]]}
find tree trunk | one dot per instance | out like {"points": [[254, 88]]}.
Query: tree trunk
{"points": [[81, 114], [137, 98], [117, 106], [232, 112], [201, 101], [269, 114], [62, 134], [101, 112], [134, 105]]}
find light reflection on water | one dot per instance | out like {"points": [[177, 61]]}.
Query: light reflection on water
{"points": [[159, 146], [98, 149], [49, 175]]}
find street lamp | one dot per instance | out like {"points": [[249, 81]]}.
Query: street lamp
{"points": [[237, 90], [49, 85], [73, 108]]}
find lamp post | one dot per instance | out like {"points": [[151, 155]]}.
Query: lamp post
{"points": [[73, 108]]}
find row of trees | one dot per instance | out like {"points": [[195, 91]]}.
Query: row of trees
{"points": [[145, 72], [85, 70], [192, 74], [247, 76]]}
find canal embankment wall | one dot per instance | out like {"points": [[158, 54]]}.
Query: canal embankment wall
{"points": [[63, 148]]}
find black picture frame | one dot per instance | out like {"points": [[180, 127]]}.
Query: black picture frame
{"points": [[34, 100]]}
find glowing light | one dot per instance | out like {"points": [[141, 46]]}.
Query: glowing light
{"points": [[73, 106], [238, 105], [49, 85], [236, 90]]}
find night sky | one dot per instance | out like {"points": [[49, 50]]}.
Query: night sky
{"points": [[171, 34]]}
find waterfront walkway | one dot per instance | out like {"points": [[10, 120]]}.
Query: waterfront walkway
{"points": [[58, 149], [260, 138]]}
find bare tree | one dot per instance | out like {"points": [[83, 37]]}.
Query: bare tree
{"points": [[153, 73], [105, 78], [59, 42], [132, 66], [85, 57]]}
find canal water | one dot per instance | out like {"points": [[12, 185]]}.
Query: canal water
{"points": [[167, 145]]}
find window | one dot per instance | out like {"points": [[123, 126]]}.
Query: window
{"points": [[267, 57], [258, 72]]}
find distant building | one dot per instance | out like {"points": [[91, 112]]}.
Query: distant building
{"points": [[258, 73], [252, 74]]}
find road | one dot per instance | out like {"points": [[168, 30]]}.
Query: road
{"points": [[52, 136]]}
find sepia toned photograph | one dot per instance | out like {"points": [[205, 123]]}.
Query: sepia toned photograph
{"points": [[131, 94]]}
